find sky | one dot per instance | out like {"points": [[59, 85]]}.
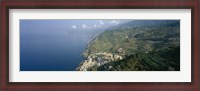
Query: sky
{"points": [[68, 24]]}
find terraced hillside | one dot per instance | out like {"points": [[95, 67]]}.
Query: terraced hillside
{"points": [[150, 35], [143, 45], [162, 60]]}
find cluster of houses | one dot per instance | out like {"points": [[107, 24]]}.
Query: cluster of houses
{"points": [[99, 59]]}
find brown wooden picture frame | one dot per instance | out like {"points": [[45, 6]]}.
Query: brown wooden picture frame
{"points": [[100, 4]]}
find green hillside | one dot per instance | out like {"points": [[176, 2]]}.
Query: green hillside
{"points": [[144, 45], [162, 60], [134, 38]]}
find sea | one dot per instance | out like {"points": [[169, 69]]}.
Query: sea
{"points": [[53, 50]]}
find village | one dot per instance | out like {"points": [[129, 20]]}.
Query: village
{"points": [[100, 58]]}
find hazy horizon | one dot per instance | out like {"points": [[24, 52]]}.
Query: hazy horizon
{"points": [[56, 45]]}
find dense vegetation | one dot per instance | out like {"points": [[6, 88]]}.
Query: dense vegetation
{"points": [[150, 35], [161, 60], [147, 45]]}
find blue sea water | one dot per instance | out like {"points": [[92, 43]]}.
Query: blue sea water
{"points": [[52, 52]]}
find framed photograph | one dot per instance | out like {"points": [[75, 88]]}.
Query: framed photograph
{"points": [[100, 45]]}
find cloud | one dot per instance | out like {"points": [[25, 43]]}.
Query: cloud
{"points": [[114, 22], [95, 25], [74, 27], [84, 26], [101, 22]]}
